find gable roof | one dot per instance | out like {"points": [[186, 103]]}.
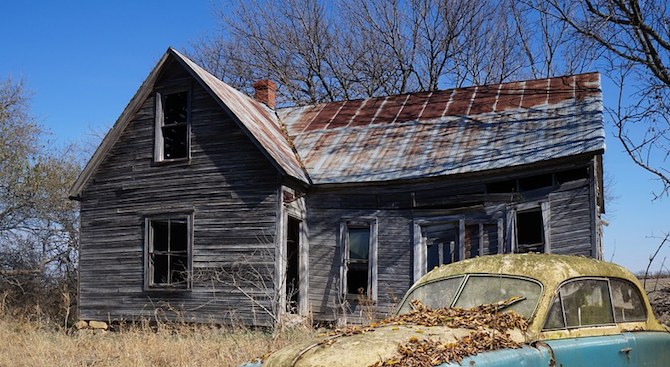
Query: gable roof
{"points": [[450, 131], [257, 121]]}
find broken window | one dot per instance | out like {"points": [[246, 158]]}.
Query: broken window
{"points": [[359, 242], [168, 252], [501, 187], [441, 241], [537, 181], [172, 126], [530, 231], [571, 175]]}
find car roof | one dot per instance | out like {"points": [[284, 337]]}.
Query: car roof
{"points": [[550, 270]]}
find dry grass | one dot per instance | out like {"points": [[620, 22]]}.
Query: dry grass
{"points": [[25, 344]]}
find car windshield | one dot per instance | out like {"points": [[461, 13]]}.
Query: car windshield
{"points": [[477, 290]]}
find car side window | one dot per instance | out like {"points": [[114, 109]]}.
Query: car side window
{"points": [[583, 302], [586, 303], [627, 301]]}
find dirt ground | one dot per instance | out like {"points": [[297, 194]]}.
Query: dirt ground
{"points": [[658, 291]]}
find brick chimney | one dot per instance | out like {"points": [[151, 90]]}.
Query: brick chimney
{"points": [[266, 92]]}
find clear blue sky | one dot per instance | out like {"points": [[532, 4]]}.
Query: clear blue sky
{"points": [[84, 60]]}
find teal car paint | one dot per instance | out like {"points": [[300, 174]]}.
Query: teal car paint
{"points": [[527, 356]]}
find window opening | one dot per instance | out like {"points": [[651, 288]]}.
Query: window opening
{"points": [[530, 231], [571, 175], [168, 253], [501, 187], [174, 139], [292, 264], [358, 272], [535, 182]]}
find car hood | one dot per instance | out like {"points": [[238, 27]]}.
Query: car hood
{"points": [[369, 346]]}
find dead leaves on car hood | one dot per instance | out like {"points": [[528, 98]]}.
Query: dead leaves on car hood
{"points": [[428, 353], [489, 323]]}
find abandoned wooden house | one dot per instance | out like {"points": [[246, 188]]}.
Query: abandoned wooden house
{"points": [[221, 207]]}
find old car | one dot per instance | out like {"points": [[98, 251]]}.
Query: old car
{"points": [[576, 311]]}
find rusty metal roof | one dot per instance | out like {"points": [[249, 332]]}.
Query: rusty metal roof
{"points": [[448, 132]]}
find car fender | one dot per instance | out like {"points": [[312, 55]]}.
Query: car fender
{"points": [[539, 355]]}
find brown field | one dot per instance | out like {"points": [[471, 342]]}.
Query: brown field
{"points": [[33, 344], [25, 344], [658, 291]]}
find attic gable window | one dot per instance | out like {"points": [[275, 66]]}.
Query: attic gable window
{"points": [[172, 126]]}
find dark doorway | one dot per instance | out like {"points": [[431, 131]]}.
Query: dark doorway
{"points": [[292, 264]]}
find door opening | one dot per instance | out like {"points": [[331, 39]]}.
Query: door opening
{"points": [[292, 264]]}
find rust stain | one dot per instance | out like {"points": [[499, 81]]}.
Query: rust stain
{"points": [[449, 132]]}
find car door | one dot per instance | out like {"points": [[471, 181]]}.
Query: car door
{"points": [[649, 348], [594, 351]]}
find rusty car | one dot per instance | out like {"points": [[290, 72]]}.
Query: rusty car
{"points": [[576, 311]]}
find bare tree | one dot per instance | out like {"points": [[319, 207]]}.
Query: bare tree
{"points": [[635, 37], [38, 224], [320, 51]]}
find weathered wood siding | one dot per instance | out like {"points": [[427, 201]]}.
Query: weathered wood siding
{"points": [[228, 185], [397, 207]]}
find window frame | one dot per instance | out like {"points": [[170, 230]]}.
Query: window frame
{"points": [[159, 123], [420, 267], [544, 209], [357, 223], [149, 282]]}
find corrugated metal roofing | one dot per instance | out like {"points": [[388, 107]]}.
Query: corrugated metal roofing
{"points": [[448, 132]]}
